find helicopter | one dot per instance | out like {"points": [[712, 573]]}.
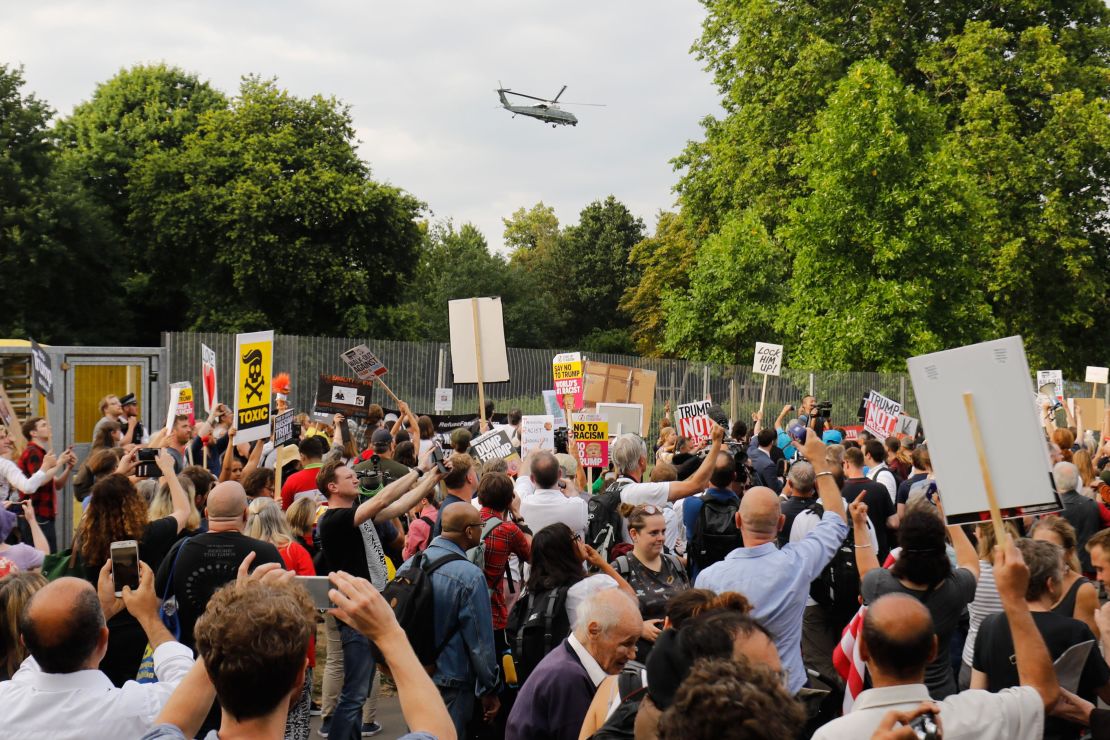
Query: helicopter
{"points": [[547, 111]]}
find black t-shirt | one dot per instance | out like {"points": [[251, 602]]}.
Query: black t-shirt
{"points": [[350, 548], [994, 655], [158, 538], [791, 507], [879, 508], [207, 562]]}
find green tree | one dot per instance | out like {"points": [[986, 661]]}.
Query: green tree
{"points": [[887, 259], [265, 216], [734, 292], [58, 260], [664, 261]]}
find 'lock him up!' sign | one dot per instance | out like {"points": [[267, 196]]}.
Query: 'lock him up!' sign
{"points": [[254, 364]]}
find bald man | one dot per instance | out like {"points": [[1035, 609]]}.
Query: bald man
{"points": [[776, 581], [64, 629], [898, 641], [467, 664]]}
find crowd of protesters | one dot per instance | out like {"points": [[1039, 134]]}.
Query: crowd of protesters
{"points": [[771, 581]]}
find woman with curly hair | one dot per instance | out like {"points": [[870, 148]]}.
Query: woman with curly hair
{"points": [[118, 511]]}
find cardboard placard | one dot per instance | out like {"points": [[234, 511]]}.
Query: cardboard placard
{"points": [[208, 377], [768, 359], [465, 340], [693, 422], [1055, 378], [551, 405], [364, 363], [1097, 375], [283, 428], [336, 394], [566, 369], [907, 425], [997, 376], [623, 418], [1093, 411], [495, 445], [10, 420], [591, 437], [537, 433], [181, 404], [444, 399], [606, 383], [42, 374], [881, 416], [254, 368]]}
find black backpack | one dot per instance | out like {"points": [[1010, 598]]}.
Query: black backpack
{"points": [[837, 588], [715, 532], [537, 623], [411, 596], [603, 528], [621, 724]]}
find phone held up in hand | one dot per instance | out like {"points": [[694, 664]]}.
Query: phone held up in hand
{"points": [[125, 565]]}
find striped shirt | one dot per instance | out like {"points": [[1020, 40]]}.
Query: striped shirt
{"points": [[985, 603]]}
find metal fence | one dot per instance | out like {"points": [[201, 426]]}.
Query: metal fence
{"points": [[416, 369]]}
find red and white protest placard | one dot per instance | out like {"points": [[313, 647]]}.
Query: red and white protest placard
{"points": [[693, 422], [591, 436], [882, 415], [569, 379], [208, 377]]}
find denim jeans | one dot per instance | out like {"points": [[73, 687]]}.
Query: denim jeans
{"points": [[358, 670], [460, 705]]}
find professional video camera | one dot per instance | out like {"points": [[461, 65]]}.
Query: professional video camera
{"points": [[374, 478], [823, 409]]}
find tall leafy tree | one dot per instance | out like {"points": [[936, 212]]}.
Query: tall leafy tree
{"points": [[58, 260], [664, 261], [265, 216]]}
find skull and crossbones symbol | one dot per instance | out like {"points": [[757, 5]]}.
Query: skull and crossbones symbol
{"points": [[255, 379]]}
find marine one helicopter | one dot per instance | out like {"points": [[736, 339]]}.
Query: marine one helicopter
{"points": [[547, 110]]}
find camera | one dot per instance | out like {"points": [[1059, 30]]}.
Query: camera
{"points": [[925, 727], [437, 458], [822, 410], [374, 478], [147, 466]]}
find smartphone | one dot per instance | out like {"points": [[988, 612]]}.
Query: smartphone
{"points": [[437, 458], [317, 587], [125, 565]]}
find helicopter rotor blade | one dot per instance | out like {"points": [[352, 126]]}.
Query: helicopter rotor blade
{"points": [[556, 98], [530, 97], [592, 105]]}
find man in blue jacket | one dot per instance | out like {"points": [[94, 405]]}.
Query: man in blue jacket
{"points": [[467, 665]]}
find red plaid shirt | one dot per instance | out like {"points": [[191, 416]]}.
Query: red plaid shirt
{"points": [[505, 539], [44, 498]]}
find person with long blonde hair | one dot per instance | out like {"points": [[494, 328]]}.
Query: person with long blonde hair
{"points": [[15, 591], [161, 504]]}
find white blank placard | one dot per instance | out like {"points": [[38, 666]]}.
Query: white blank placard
{"points": [[491, 327]]}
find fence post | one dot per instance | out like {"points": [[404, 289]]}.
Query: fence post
{"points": [[733, 400], [705, 381], [902, 391], [811, 379], [441, 368]]}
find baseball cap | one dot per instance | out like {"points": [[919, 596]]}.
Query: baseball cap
{"points": [[380, 440], [832, 437]]}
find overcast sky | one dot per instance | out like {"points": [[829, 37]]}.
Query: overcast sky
{"points": [[420, 77]]}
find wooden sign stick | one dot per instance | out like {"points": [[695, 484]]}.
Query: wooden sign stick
{"points": [[988, 483], [391, 393], [478, 370], [762, 398]]}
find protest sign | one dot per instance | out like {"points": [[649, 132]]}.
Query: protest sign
{"points": [[693, 422], [181, 404], [9, 419], [881, 415], [569, 379], [768, 359], [995, 376], [444, 399], [363, 362], [607, 383], [445, 424], [495, 445], [1054, 378], [43, 375], [283, 428], [551, 404], [907, 425], [623, 418], [336, 394], [591, 437], [208, 377], [478, 352], [254, 367], [1097, 374], [537, 433]]}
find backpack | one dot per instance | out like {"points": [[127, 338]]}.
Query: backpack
{"points": [[537, 623], [477, 554], [715, 532], [412, 599], [603, 527], [622, 722], [836, 589]]}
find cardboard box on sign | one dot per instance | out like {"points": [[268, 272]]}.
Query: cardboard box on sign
{"points": [[606, 383], [1093, 410]]}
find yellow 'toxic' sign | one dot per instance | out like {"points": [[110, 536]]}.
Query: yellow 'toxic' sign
{"points": [[254, 363]]}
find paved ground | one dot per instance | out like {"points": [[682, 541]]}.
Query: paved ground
{"points": [[389, 717]]}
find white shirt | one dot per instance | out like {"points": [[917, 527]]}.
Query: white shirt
{"points": [[887, 480], [544, 507], [85, 705], [593, 669], [12, 480], [1011, 714], [642, 494]]}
